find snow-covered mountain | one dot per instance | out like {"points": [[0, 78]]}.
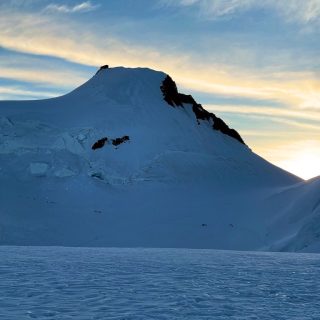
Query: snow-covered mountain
{"points": [[126, 160]]}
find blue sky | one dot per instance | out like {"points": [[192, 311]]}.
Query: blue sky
{"points": [[254, 63]]}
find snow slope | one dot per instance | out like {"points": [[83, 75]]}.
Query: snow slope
{"points": [[69, 177]]}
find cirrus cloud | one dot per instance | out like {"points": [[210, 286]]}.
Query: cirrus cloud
{"points": [[302, 11], [81, 7]]}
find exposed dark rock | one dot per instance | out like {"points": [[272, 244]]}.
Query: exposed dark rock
{"points": [[100, 143], [170, 92], [201, 114], [187, 98], [118, 141], [174, 98], [220, 125], [106, 66]]}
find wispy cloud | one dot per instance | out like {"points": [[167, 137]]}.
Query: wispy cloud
{"points": [[305, 11], [300, 93], [80, 7], [267, 111], [302, 11], [213, 9], [41, 35], [286, 119], [14, 92], [63, 79]]}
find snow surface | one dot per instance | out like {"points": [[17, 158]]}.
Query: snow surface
{"points": [[175, 183], [107, 283]]}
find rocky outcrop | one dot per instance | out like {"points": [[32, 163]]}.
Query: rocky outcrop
{"points": [[175, 99], [170, 92], [106, 66], [100, 143], [117, 141]]}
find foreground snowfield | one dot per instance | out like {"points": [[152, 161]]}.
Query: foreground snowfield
{"points": [[109, 283], [177, 181]]}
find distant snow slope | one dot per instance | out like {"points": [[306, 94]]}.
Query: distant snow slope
{"points": [[114, 164]]}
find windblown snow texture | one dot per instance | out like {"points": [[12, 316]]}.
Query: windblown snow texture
{"points": [[126, 160], [142, 284]]}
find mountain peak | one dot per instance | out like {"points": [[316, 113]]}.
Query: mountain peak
{"points": [[146, 84], [128, 160]]}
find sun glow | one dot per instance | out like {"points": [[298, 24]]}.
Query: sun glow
{"points": [[301, 158]]}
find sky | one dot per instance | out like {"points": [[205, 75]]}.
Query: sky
{"points": [[255, 64]]}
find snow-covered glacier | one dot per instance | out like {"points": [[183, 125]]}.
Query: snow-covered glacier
{"points": [[118, 283], [125, 160]]}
